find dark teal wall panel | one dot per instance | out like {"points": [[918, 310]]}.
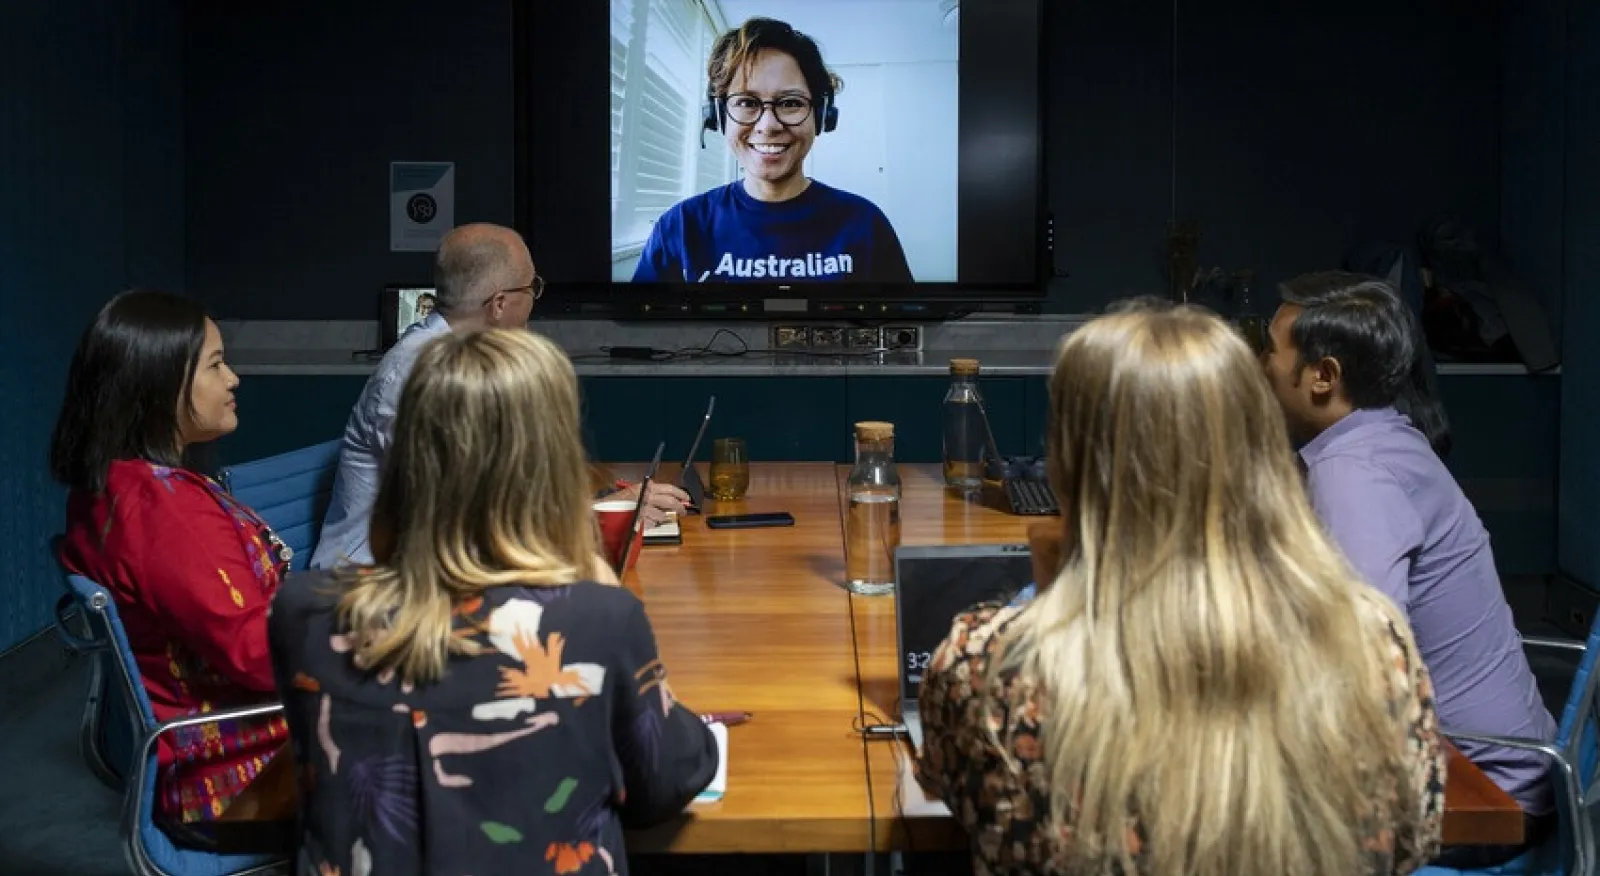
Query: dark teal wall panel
{"points": [[281, 413], [91, 200]]}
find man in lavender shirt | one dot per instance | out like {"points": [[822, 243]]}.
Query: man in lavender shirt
{"points": [[1340, 356]]}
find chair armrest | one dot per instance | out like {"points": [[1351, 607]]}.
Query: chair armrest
{"points": [[221, 715], [1568, 802], [142, 760], [1546, 748], [1554, 644], [134, 815]]}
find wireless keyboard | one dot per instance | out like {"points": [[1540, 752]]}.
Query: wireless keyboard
{"points": [[1031, 496]]}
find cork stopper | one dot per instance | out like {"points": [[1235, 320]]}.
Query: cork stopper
{"points": [[964, 367], [874, 430]]}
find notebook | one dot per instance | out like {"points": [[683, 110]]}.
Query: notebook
{"points": [[666, 532], [719, 782]]}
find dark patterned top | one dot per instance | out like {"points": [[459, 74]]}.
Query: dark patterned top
{"points": [[192, 572], [530, 757], [1006, 814]]}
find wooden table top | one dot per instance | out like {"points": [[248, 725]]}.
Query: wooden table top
{"points": [[757, 620]]}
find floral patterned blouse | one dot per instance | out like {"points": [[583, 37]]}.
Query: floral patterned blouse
{"points": [[192, 572], [1006, 814], [530, 757]]}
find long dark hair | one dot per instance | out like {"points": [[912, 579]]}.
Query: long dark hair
{"points": [[132, 367]]}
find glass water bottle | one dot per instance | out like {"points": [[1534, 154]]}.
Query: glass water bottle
{"points": [[872, 523], [963, 428]]}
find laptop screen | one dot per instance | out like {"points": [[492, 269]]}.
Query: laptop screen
{"points": [[934, 583]]}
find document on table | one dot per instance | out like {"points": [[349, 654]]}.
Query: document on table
{"points": [[719, 782], [666, 532]]}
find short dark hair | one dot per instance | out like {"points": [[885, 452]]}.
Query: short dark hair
{"points": [[1359, 321], [132, 366], [736, 49]]}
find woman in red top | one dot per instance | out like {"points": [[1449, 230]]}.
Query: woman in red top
{"points": [[192, 571]]}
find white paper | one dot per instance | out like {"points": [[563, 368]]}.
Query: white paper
{"points": [[422, 204], [914, 802], [719, 782], [666, 531]]}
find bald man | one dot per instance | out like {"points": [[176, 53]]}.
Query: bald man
{"points": [[484, 278]]}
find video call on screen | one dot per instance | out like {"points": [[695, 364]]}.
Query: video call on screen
{"points": [[930, 173]]}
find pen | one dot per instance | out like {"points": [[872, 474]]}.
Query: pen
{"points": [[730, 719]]}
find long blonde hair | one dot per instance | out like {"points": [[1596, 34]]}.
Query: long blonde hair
{"points": [[1207, 669], [486, 484]]}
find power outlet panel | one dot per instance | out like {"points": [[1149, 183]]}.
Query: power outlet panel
{"points": [[791, 337], [902, 338], [861, 338], [827, 338], [899, 338]]}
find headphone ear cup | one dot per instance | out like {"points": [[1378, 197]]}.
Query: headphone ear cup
{"points": [[829, 119], [712, 113]]}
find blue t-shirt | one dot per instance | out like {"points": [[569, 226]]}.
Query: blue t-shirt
{"points": [[822, 235]]}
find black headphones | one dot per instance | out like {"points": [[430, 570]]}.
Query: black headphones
{"points": [[715, 116]]}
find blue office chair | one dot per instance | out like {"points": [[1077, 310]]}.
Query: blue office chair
{"points": [[1574, 755], [290, 491], [149, 851], [105, 733]]}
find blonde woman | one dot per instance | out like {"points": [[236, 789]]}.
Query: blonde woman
{"points": [[1205, 688], [480, 699]]}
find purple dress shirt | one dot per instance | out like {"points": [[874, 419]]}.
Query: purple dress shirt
{"points": [[1403, 523]]}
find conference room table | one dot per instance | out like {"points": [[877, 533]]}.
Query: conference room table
{"points": [[759, 621]]}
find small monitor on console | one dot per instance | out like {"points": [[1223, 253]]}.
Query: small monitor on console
{"points": [[401, 308]]}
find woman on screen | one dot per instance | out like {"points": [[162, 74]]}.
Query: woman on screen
{"points": [[1205, 687], [770, 95]]}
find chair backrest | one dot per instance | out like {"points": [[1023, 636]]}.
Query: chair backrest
{"points": [[147, 847], [106, 732], [99, 610], [290, 491], [1578, 733]]}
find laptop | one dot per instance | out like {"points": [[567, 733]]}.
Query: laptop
{"points": [[1017, 484], [620, 563], [933, 584], [401, 307]]}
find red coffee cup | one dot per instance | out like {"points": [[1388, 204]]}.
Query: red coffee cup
{"points": [[614, 516]]}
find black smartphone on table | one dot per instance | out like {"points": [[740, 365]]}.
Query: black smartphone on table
{"points": [[750, 521]]}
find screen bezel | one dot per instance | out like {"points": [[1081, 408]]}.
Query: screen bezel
{"points": [[389, 311], [927, 555], [633, 301]]}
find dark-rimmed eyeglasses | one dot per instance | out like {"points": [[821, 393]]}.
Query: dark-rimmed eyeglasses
{"points": [[746, 109]]}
